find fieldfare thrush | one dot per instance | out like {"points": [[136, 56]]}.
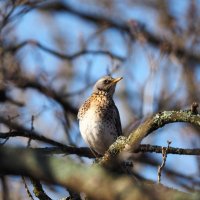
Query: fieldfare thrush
{"points": [[99, 119]]}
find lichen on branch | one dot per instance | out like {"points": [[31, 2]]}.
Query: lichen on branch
{"points": [[132, 142]]}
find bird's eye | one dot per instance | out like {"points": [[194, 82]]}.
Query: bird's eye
{"points": [[106, 81]]}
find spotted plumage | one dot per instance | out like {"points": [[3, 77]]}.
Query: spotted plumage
{"points": [[99, 119]]}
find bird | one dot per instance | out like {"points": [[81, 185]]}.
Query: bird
{"points": [[99, 119]]}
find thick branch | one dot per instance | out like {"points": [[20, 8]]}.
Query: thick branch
{"points": [[94, 181], [159, 120]]}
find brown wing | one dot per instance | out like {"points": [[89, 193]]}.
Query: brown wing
{"points": [[117, 120]]}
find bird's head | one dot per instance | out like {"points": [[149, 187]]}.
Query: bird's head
{"points": [[106, 84]]}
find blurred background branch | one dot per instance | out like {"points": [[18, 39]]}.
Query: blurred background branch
{"points": [[58, 171]]}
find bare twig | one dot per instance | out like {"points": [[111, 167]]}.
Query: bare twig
{"points": [[27, 189], [171, 150], [176, 176], [38, 190], [32, 129], [164, 156]]}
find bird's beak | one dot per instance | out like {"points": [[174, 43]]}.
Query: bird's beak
{"points": [[117, 80]]}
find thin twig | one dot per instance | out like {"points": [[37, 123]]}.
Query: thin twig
{"points": [[164, 156], [32, 130], [147, 148], [38, 190], [27, 189]]}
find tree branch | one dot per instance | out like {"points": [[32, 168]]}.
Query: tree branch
{"points": [[61, 148], [61, 55], [144, 148], [78, 177], [140, 29], [38, 190], [159, 120], [49, 92]]}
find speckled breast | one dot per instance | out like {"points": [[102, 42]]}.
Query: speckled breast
{"points": [[96, 125]]}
